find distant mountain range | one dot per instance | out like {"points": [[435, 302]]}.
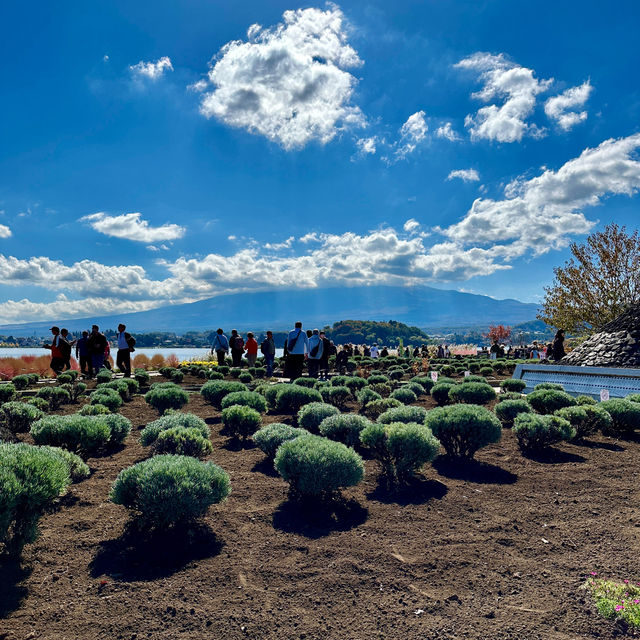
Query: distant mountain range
{"points": [[424, 307]]}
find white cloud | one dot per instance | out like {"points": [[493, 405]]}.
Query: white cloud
{"points": [[561, 108], [412, 133], [151, 70], [466, 175], [516, 85], [447, 132], [131, 226], [411, 225], [366, 145], [279, 246], [5, 232], [199, 86], [288, 83]]}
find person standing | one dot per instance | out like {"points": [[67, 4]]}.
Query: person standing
{"points": [[57, 362], [251, 347], [268, 349], [220, 346], [375, 353], [557, 348], [316, 349], [297, 349], [65, 348], [82, 354], [237, 348], [97, 347], [326, 352], [126, 344]]}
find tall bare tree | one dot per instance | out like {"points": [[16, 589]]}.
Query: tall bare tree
{"points": [[597, 284]]}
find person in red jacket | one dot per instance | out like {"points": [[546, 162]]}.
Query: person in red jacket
{"points": [[251, 347]]}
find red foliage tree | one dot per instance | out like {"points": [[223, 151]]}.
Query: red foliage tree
{"points": [[498, 333]]}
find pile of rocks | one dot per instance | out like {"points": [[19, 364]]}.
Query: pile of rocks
{"points": [[616, 345]]}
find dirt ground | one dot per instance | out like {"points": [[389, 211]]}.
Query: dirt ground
{"points": [[493, 550]]}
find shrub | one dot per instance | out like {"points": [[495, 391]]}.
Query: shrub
{"points": [[344, 428], [177, 376], [166, 395], [215, 375], [182, 441], [104, 375], [39, 403], [270, 437], [403, 414], [168, 490], [402, 448], [311, 415], [309, 383], [215, 390], [55, 396], [417, 388], [78, 469], [337, 396], [624, 414], [20, 382], [18, 416], [440, 392], [241, 421], [404, 395], [317, 467], [509, 409], [245, 377], [77, 390], [31, 478], [235, 372], [119, 426], [464, 428], [510, 395], [119, 386], [480, 379], [472, 393], [598, 419], [474, 367], [291, 397], [486, 371], [246, 399], [142, 377], [377, 378], [617, 601], [447, 370], [513, 384], [632, 397], [424, 381], [550, 386], [376, 407], [395, 374], [583, 400], [83, 434], [381, 388], [132, 384], [355, 383], [107, 397], [548, 401], [64, 378], [187, 420], [94, 410], [535, 432], [368, 395]]}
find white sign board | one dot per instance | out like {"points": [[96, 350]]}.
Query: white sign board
{"points": [[604, 395], [467, 374], [434, 376]]}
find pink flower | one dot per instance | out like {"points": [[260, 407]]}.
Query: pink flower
{"points": [[626, 581], [619, 607], [594, 573]]}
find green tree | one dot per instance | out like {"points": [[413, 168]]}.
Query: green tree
{"points": [[597, 284]]}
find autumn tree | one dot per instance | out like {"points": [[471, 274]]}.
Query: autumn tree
{"points": [[597, 284], [498, 333]]}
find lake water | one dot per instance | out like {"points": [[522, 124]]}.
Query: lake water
{"points": [[182, 353]]}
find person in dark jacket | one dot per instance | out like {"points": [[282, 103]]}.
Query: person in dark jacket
{"points": [[268, 349], [82, 354], [65, 348], [237, 348], [97, 344], [327, 350], [558, 345]]}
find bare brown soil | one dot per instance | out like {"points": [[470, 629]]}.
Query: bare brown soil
{"points": [[493, 550]]}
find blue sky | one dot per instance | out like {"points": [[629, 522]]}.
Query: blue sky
{"points": [[156, 153]]}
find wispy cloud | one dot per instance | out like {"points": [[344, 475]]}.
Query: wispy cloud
{"points": [[131, 226]]}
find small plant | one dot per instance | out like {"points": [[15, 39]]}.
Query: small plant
{"points": [[509, 395], [417, 388], [104, 375], [55, 396], [215, 375], [536, 433], [472, 393], [235, 372], [425, 382], [317, 467], [39, 403], [337, 396], [513, 384], [311, 415], [486, 371], [402, 448], [109, 398], [150, 433], [395, 374], [309, 383], [119, 386], [19, 416], [632, 397], [624, 414], [354, 384], [246, 399], [7, 392], [291, 397], [548, 401], [440, 392], [381, 388], [119, 426], [464, 428], [94, 410], [549, 386], [403, 414], [367, 395], [377, 378], [270, 437], [81, 434], [78, 469], [404, 395], [377, 407], [20, 382], [142, 377], [584, 400], [170, 490], [615, 600], [65, 378], [166, 395], [241, 421], [215, 390], [509, 409], [344, 428], [182, 441], [245, 377]]}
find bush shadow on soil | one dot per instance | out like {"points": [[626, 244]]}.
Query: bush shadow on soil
{"points": [[473, 471], [11, 591], [416, 491], [592, 444], [266, 467], [318, 518], [140, 554], [551, 455]]}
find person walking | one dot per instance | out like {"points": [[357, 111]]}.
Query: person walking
{"points": [[82, 355], [268, 349], [57, 362], [237, 348], [126, 344], [297, 351], [251, 347], [97, 344], [220, 346], [316, 348]]}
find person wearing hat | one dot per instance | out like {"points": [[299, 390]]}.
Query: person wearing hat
{"points": [[57, 361]]}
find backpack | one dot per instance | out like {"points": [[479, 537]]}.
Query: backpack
{"points": [[314, 352], [238, 342]]}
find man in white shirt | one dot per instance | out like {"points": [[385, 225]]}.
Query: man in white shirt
{"points": [[125, 345], [298, 350], [374, 351]]}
